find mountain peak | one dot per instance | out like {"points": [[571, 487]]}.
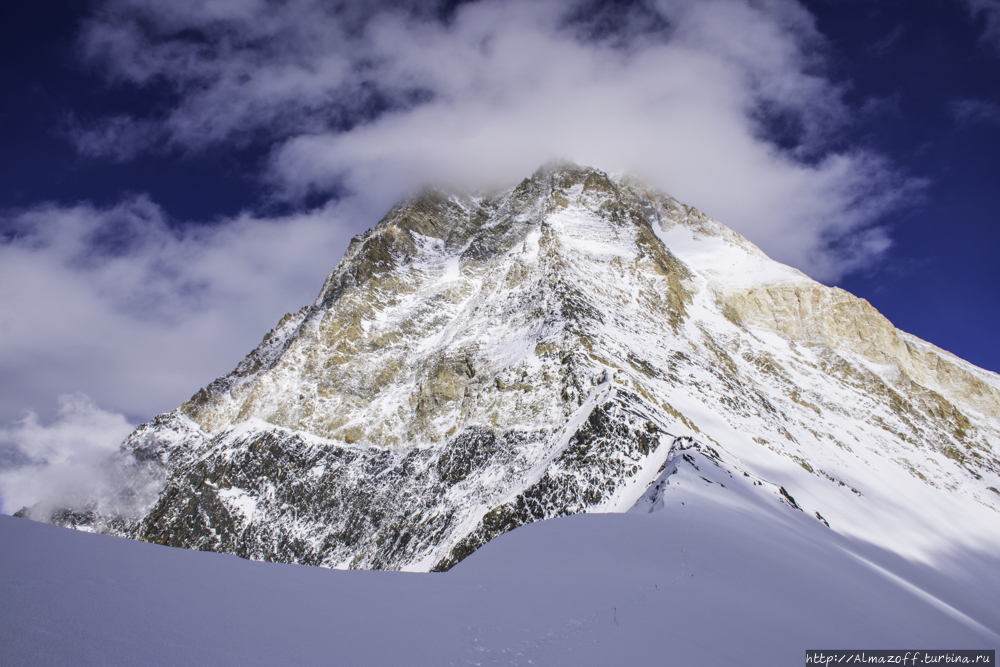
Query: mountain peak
{"points": [[477, 362]]}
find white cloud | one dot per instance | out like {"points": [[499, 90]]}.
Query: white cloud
{"points": [[383, 99], [65, 463], [138, 311]]}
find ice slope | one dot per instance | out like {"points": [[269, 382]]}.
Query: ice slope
{"points": [[476, 363], [717, 576]]}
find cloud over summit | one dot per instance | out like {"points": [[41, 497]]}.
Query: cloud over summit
{"points": [[725, 104]]}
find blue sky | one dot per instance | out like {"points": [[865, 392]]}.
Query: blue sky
{"points": [[935, 67], [177, 176]]}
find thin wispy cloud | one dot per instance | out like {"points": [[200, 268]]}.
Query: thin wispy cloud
{"points": [[971, 111], [886, 44], [118, 138], [987, 11]]}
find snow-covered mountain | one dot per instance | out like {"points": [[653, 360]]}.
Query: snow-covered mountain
{"points": [[581, 343]]}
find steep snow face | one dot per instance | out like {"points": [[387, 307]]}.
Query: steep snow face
{"points": [[477, 363]]}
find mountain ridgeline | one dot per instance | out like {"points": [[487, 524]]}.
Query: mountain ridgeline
{"points": [[476, 363]]}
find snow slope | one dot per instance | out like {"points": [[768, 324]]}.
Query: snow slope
{"points": [[716, 577]]}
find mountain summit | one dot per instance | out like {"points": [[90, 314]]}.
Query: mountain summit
{"points": [[580, 343]]}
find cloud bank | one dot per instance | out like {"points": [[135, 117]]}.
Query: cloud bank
{"points": [[138, 311], [725, 104]]}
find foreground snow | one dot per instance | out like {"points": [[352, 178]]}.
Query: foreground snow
{"points": [[716, 576]]}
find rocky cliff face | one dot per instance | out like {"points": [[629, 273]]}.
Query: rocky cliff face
{"points": [[475, 363]]}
